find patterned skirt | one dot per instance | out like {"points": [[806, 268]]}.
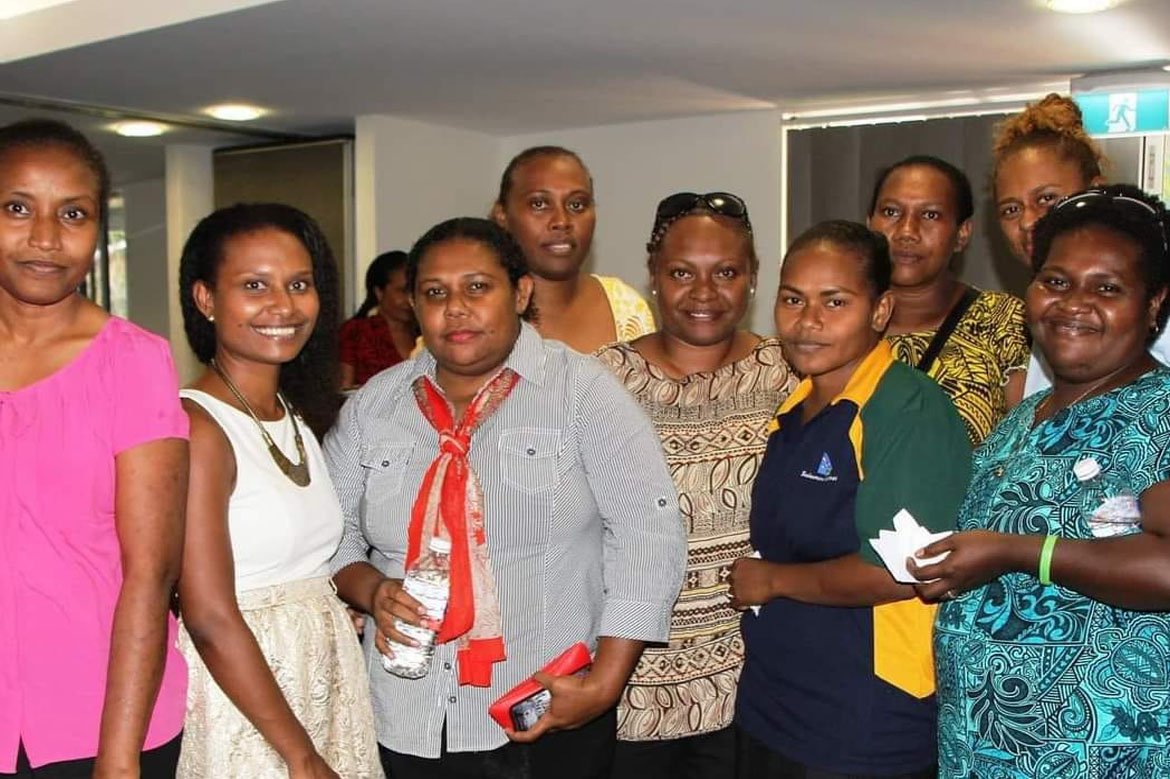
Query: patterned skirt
{"points": [[308, 640]]}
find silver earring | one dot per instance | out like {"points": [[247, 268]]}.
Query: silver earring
{"points": [[211, 317], [751, 292], [654, 293]]}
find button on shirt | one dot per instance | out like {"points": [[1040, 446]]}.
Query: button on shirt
{"points": [[581, 515]]}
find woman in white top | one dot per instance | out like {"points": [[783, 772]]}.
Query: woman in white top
{"points": [[278, 686]]}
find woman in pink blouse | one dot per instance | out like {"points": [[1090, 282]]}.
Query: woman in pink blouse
{"points": [[93, 469]]}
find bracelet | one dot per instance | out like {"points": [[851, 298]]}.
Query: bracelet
{"points": [[1045, 572]]}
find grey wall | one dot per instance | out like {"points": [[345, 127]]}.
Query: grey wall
{"points": [[146, 254]]}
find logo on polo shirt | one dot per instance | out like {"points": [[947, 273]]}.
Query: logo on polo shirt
{"points": [[824, 471]]}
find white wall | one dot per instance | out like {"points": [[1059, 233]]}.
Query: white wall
{"points": [[409, 176], [147, 293], [636, 165], [189, 197]]}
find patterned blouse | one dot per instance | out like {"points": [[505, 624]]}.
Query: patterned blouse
{"points": [[1041, 681], [988, 345], [712, 427]]}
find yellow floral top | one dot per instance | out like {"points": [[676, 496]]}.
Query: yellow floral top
{"points": [[632, 317], [988, 345]]}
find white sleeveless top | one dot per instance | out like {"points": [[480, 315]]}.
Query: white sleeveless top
{"points": [[279, 532]]}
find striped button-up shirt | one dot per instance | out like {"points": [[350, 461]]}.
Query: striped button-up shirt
{"points": [[581, 516]]}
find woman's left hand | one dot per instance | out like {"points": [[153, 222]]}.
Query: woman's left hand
{"points": [[751, 582], [974, 557], [576, 700]]}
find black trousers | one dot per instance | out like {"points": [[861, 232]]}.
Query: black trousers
{"points": [[708, 756], [757, 761], [157, 763], [584, 753]]}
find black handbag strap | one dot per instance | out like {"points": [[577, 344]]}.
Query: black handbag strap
{"points": [[945, 329]]}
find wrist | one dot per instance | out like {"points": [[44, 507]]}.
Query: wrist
{"points": [[106, 766], [1020, 553], [777, 581]]}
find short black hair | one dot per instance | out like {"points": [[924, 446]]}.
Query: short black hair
{"points": [[854, 237], [1125, 209], [51, 132], [535, 153], [310, 381], [960, 184], [378, 276], [482, 231]]}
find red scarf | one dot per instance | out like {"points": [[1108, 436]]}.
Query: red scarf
{"points": [[450, 504]]}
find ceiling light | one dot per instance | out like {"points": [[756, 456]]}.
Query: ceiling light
{"points": [[10, 9], [1080, 6], [140, 129], [235, 112]]}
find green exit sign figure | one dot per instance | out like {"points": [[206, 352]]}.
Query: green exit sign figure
{"points": [[1118, 113]]}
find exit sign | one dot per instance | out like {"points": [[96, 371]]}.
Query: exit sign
{"points": [[1118, 113]]}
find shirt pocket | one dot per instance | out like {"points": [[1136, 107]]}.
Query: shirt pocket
{"points": [[529, 457], [385, 464]]}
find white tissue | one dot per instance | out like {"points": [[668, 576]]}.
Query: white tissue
{"points": [[755, 609], [907, 537]]}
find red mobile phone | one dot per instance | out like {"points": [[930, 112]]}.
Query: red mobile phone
{"points": [[520, 707]]}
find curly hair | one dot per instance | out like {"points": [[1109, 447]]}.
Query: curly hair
{"points": [[378, 276], [37, 133], [1124, 209], [1052, 123], [870, 246], [526, 156], [310, 380], [960, 184], [482, 231]]}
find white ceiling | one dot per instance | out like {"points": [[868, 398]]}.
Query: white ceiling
{"points": [[521, 66]]}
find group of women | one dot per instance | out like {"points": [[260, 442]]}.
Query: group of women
{"points": [[637, 500]]}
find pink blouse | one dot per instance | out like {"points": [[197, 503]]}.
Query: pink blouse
{"points": [[60, 569]]}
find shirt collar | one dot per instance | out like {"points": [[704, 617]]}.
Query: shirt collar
{"points": [[860, 386]]}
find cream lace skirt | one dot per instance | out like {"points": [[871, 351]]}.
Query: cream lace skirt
{"points": [[308, 640]]}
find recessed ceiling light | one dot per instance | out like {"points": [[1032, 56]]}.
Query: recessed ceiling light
{"points": [[1080, 6], [138, 129], [10, 9], [235, 112]]}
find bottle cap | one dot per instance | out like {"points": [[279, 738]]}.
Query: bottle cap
{"points": [[1087, 469], [439, 545]]}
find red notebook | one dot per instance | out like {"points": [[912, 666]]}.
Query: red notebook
{"points": [[520, 707]]}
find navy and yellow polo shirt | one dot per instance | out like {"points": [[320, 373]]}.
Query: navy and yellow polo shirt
{"points": [[850, 690]]}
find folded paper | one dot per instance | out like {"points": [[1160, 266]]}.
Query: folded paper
{"points": [[907, 537]]}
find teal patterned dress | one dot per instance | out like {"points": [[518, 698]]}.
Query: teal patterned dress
{"points": [[1039, 681]]}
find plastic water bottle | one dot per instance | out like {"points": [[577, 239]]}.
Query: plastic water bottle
{"points": [[1113, 509], [429, 582]]}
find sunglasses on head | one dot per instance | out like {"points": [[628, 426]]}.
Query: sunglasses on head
{"points": [[674, 207], [1139, 208], [721, 203]]}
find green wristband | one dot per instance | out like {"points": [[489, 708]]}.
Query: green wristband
{"points": [[1045, 572]]}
